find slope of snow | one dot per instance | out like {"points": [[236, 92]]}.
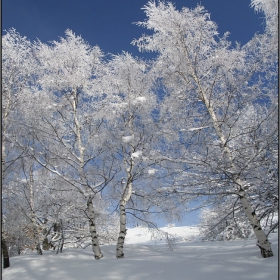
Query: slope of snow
{"points": [[145, 259], [140, 235]]}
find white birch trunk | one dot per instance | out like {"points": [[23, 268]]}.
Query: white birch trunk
{"points": [[33, 216], [92, 229], [122, 233], [62, 236], [262, 241], [90, 211], [127, 191], [4, 247], [125, 197]]}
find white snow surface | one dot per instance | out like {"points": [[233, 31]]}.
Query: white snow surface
{"points": [[146, 259]]}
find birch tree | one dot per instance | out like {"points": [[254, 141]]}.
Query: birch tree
{"points": [[4, 246], [18, 76], [33, 215], [70, 131], [214, 81], [132, 131]]}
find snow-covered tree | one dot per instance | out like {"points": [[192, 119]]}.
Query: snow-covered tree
{"points": [[70, 130], [270, 10], [131, 130], [19, 70], [214, 83]]}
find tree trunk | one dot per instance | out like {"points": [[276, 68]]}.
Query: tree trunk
{"points": [[127, 191], [62, 237], [33, 216], [125, 197], [122, 232], [5, 252], [92, 229], [90, 212], [263, 242], [59, 229], [45, 243]]}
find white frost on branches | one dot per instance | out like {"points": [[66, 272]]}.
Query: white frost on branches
{"points": [[152, 171], [136, 154], [139, 99], [127, 139], [194, 128]]}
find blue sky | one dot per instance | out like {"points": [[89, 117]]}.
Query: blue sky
{"points": [[108, 24]]}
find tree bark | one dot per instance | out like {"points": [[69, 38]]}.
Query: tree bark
{"points": [[122, 233], [127, 191], [5, 252], [62, 237], [125, 197], [92, 229], [33, 216], [262, 241], [90, 212], [45, 241]]}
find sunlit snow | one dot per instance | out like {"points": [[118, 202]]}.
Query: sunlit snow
{"points": [[146, 259]]}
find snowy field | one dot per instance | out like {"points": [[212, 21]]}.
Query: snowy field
{"points": [[145, 259]]}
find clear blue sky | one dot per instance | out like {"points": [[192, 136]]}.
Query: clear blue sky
{"points": [[108, 24]]}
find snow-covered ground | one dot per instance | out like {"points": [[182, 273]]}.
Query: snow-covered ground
{"points": [[145, 259]]}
